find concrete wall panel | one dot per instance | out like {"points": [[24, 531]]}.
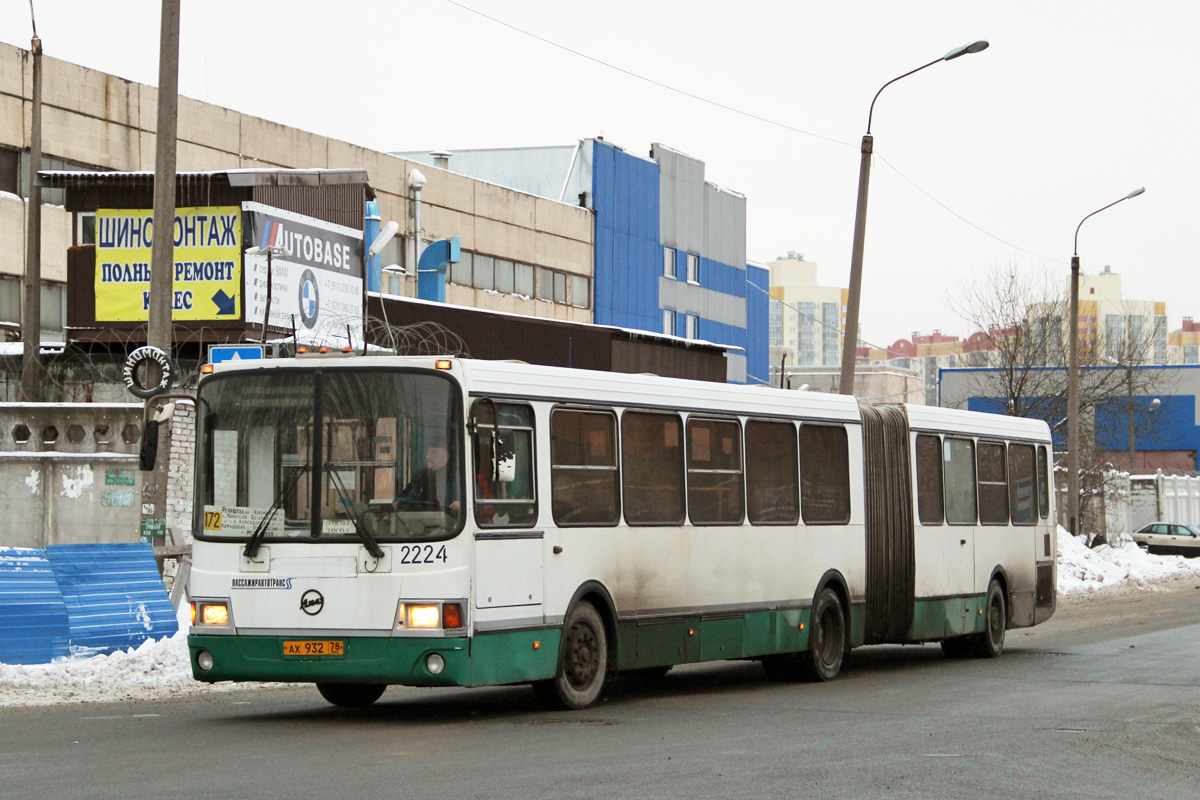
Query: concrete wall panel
{"points": [[508, 241]]}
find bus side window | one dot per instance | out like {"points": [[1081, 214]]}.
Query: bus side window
{"points": [[714, 467], [824, 475], [1043, 483], [993, 484], [584, 485], [958, 456], [930, 506], [771, 473], [652, 468], [1021, 490], [504, 503]]}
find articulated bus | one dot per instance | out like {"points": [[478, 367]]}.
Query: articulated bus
{"points": [[372, 520]]}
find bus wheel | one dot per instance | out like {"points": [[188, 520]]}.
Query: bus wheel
{"points": [[582, 662], [990, 643], [826, 645], [826, 640], [351, 695]]}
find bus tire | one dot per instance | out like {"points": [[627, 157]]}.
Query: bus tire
{"points": [[990, 643], [351, 695], [826, 638], [822, 661], [582, 661]]}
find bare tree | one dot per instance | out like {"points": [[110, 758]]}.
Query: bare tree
{"points": [[1022, 345]]}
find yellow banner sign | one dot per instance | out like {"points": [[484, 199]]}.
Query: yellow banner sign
{"points": [[207, 275]]}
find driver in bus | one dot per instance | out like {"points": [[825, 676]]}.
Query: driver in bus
{"points": [[436, 482]]}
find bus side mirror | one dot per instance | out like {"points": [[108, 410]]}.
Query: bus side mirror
{"points": [[504, 457], [148, 455]]}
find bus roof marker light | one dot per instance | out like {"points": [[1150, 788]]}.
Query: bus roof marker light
{"points": [[206, 369], [442, 364]]}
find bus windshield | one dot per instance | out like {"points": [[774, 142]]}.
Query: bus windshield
{"points": [[383, 464]]}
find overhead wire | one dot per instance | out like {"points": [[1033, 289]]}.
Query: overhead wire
{"points": [[740, 112]]}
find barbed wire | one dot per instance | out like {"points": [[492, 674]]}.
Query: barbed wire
{"points": [[85, 368]]}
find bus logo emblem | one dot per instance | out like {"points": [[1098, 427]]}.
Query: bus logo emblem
{"points": [[311, 602]]}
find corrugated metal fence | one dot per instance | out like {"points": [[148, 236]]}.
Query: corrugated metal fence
{"points": [[80, 600]]}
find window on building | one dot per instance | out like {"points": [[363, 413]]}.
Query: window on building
{"points": [[714, 471], [581, 292], [669, 321], [504, 276], [669, 262], [560, 287], [824, 474], [652, 468], [693, 268], [958, 457], [545, 284], [693, 326], [930, 508], [484, 272], [85, 229], [460, 273], [53, 305], [583, 468], [993, 484], [523, 280], [771, 474], [10, 170]]}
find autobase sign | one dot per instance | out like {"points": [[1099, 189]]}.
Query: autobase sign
{"points": [[315, 272], [207, 276]]}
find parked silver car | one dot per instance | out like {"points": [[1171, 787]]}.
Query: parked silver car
{"points": [[1169, 539]]}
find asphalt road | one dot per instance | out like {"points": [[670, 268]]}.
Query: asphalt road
{"points": [[1103, 701]]}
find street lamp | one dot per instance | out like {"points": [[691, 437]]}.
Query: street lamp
{"points": [[850, 334], [1073, 378]]}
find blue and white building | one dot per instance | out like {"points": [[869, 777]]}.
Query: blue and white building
{"points": [[670, 247]]}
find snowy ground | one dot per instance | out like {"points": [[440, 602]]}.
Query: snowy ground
{"points": [[160, 669]]}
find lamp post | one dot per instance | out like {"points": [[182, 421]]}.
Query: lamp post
{"points": [[850, 334], [1073, 378]]}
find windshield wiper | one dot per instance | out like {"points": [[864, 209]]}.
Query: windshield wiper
{"points": [[367, 537], [265, 523]]}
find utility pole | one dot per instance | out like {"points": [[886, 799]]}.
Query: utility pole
{"points": [[31, 299], [162, 255]]}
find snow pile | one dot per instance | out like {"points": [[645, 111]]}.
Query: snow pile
{"points": [[156, 670], [1084, 569]]}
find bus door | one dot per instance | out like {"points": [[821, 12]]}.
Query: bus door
{"points": [[508, 565], [945, 538]]}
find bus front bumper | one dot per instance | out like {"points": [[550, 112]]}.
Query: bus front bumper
{"points": [[500, 658]]}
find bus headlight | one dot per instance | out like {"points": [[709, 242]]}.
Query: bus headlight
{"points": [[423, 616], [435, 664], [214, 613]]}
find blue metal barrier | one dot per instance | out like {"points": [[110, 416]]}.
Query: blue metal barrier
{"points": [[114, 596], [33, 618]]}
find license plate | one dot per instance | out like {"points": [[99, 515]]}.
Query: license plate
{"points": [[329, 647]]}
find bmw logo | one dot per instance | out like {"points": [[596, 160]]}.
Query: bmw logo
{"points": [[310, 299]]}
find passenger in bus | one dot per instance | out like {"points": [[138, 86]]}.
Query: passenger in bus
{"points": [[436, 482]]}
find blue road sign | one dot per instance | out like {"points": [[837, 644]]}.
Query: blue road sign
{"points": [[234, 352]]}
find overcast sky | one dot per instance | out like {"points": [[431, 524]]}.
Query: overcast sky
{"points": [[983, 161]]}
